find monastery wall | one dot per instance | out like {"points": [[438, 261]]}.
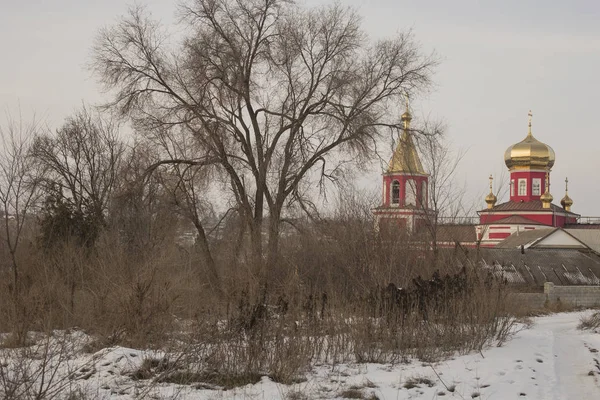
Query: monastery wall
{"points": [[531, 301], [577, 296], [572, 296]]}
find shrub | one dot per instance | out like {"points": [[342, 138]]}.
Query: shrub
{"points": [[590, 322]]}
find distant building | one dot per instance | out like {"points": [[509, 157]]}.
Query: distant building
{"points": [[405, 202], [529, 208]]}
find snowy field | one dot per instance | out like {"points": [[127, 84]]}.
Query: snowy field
{"points": [[548, 359]]}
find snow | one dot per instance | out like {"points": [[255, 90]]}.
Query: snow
{"points": [[547, 359]]}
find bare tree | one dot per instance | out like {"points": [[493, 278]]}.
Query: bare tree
{"points": [[139, 208], [186, 185], [446, 193], [19, 184], [82, 161], [274, 95]]}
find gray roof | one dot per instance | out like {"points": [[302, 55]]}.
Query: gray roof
{"points": [[536, 266], [523, 238], [456, 233], [590, 237]]}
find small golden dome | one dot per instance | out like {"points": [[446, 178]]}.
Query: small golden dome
{"points": [[529, 153], [491, 199], [566, 201], [546, 199], [406, 117]]}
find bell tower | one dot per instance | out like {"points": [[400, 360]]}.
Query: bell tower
{"points": [[530, 206], [529, 163], [405, 186]]}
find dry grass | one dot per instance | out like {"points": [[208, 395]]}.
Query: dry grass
{"points": [[417, 382], [325, 303], [591, 322], [351, 394]]}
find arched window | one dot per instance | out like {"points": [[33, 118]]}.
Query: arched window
{"points": [[536, 187], [522, 187], [395, 192], [424, 194], [411, 193]]}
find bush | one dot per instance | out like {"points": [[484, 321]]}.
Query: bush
{"points": [[328, 300], [590, 322]]}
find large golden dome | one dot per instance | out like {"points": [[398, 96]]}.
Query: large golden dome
{"points": [[529, 153]]}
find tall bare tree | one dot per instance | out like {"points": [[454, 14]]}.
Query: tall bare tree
{"points": [[274, 94], [19, 184], [185, 185], [82, 161]]}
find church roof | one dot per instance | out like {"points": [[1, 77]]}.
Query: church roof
{"points": [[406, 157], [516, 220], [534, 205]]}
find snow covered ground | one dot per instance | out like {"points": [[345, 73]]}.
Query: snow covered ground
{"points": [[549, 359]]}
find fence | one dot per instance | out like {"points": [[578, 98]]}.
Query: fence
{"points": [[571, 296], [577, 296]]}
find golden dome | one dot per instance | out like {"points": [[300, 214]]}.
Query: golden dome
{"points": [[547, 198], [406, 157], [566, 201], [529, 153], [491, 199]]}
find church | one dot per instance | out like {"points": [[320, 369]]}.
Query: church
{"points": [[529, 214]]}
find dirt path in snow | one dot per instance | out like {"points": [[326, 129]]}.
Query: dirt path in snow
{"points": [[576, 359], [551, 360]]}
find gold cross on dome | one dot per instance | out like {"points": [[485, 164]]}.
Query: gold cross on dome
{"points": [[566, 184]]}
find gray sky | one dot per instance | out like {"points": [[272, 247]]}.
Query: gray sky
{"points": [[499, 60]]}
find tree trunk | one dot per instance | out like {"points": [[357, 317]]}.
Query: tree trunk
{"points": [[16, 288], [256, 250], [207, 257], [273, 246]]}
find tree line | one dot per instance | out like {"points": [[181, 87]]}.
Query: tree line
{"points": [[240, 124]]}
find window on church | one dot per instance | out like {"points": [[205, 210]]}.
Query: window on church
{"points": [[522, 187], [395, 192], [424, 194], [411, 193], [512, 187], [536, 187]]}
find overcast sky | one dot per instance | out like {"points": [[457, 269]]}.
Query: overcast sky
{"points": [[499, 60]]}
